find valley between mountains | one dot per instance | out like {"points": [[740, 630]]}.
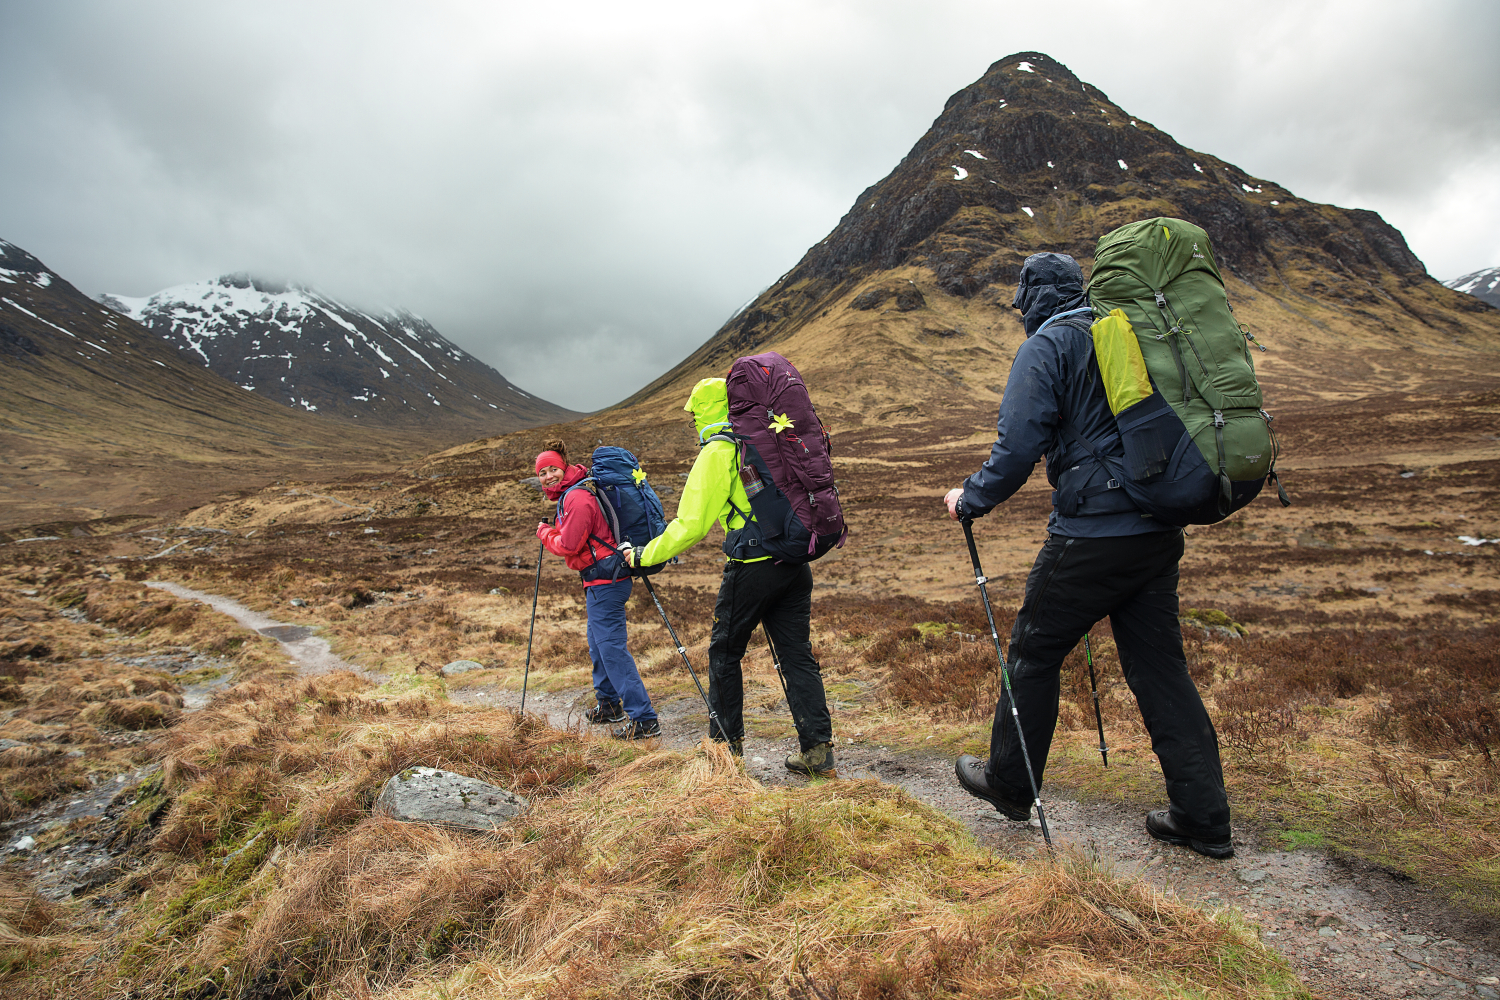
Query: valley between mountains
{"points": [[186, 807]]}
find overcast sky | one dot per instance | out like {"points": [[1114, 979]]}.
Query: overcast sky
{"points": [[581, 194]]}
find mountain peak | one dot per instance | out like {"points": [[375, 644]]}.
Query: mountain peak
{"points": [[1031, 158], [242, 279], [307, 350]]}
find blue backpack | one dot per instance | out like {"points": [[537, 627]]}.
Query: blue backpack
{"points": [[630, 506]]}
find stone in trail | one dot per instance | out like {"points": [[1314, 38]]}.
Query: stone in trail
{"points": [[429, 795], [461, 667]]}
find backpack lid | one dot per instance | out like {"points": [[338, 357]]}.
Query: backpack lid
{"points": [[1155, 251]]}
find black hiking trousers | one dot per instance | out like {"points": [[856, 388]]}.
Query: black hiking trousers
{"points": [[781, 597], [1131, 579]]}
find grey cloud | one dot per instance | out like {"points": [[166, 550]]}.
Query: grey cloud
{"points": [[561, 193]]}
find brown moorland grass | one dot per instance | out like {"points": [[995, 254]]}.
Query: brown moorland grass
{"points": [[69, 688], [1312, 682], [666, 873]]}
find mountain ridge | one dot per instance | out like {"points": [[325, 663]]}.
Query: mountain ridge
{"points": [[307, 350], [1031, 158], [105, 419], [1483, 284]]}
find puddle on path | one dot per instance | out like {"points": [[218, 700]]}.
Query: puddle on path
{"points": [[311, 653]]}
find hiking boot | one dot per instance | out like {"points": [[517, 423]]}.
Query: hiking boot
{"points": [[971, 776], [1159, 824], [605, 713], [640, 729], [816, 761], [736, 747]]}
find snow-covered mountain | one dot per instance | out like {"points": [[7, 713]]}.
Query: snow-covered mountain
{"points": [[1482, 284], [304, 349]]}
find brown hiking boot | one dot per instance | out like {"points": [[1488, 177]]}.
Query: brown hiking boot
{"points": [[815, 761]]}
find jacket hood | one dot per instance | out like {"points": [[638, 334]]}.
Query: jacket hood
{"points": [[572, 475], [1050, 283], [709, 405]]}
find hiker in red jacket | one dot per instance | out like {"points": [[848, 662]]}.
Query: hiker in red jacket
{"points": [[582, 537]]}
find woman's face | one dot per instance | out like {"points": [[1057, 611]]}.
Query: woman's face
{"points": [[550, 476]]}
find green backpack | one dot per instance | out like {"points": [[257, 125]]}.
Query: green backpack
{"points": [[1159, 300]]}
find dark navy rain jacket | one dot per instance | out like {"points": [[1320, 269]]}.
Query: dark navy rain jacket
{"points": [[1053, 388]]}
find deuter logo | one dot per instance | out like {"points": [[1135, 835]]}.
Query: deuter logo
{"points": [[1197, 254], [1252, 458]]}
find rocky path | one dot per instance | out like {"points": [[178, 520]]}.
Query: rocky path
{"points": [[302, 644]]}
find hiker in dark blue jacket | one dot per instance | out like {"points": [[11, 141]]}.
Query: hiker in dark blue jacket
{"points": [[1103, 558]]}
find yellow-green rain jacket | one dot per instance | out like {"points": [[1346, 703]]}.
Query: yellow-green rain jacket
{"points": [[712, 485]]}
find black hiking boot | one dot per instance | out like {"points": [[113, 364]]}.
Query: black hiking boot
{"points": [[605, 713], [640, 729], [1159, 824], [971, 776], [816, 761], [736, 747]]}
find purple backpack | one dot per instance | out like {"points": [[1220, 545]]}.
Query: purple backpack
{"points": [[784, 464]]}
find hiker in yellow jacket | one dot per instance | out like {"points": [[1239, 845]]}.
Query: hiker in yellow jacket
{"points": [[753, 591]]}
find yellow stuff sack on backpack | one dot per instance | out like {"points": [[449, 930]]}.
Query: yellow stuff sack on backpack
{"points": [[1120, 363]]}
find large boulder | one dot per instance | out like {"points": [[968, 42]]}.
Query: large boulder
{"points": [[428, 795]]}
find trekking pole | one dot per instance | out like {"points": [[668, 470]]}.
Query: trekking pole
{"points": [[713, 717], [776, 662], [535, 592], [980, 580], [1088, 654]]}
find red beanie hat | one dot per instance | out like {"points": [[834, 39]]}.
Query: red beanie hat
{"points": [[547, 458]]}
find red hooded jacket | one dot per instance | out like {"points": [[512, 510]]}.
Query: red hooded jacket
{"points": [[581, 518]]}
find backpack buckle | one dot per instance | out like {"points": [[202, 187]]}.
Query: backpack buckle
{"points": [[1218, 418], [1113, 484]]}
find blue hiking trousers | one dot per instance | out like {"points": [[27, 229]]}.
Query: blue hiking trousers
{"points": [[615, 676]]}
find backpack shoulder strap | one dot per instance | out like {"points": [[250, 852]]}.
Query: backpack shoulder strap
{"points": [[734, 439]]}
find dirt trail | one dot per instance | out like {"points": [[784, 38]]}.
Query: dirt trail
{"points": [[1349, 934], [311, 654]]}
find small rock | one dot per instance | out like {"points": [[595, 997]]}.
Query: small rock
{"points": [[428, 795], [1325, 918], [534, 482], [297, 602], [1326, 931], [28, 593], [1124, 916], [499, 590], [372, 531], [10, 744], [1415, 940], [461, 667], [1254, 876], [757, 760], [1487, 991], [24, 844]]}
